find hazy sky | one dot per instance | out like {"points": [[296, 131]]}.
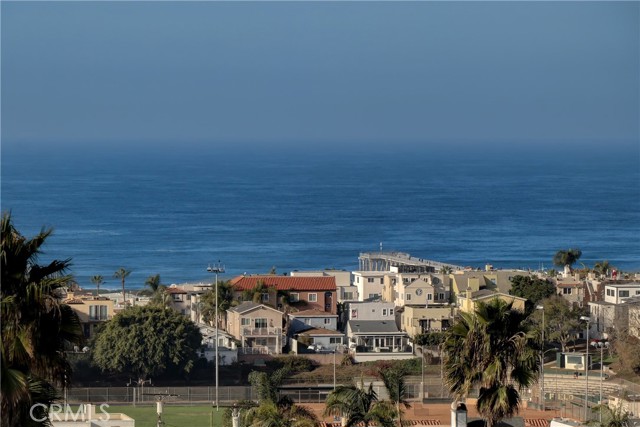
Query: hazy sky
{"points": [[308, 72]]}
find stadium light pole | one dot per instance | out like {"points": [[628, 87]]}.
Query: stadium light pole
{"points": [[216, 269], [586, 369]]}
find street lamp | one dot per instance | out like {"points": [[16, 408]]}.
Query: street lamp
{"points": [[216, 269], [601, 344], [542, 396], [586, 369]]}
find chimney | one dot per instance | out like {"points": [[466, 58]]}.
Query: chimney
{"points": [[458, 414]]}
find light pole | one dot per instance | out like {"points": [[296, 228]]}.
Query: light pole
{"points": [[586, 369], [542, 397], [422, 382], [335, 349], [601, 344], [216, 269]]}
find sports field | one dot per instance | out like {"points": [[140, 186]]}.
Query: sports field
{"points": [[173, 416]]}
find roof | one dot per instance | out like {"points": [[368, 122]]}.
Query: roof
{"points": [[373, 326], [176, 291], [286, 283], [312, 313], [320, 331], [250, 305]]}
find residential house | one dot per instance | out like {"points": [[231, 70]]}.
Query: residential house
{"points": [[227, 347], [312, 319], [345, 289], [370, 284], [305, 293], [472, 280], [91, 311], [373, 334], [618, 310], [258, 327], [416, 320], [377, 340], [316, 340], [573, 291], [422, 290], [467, 301]]}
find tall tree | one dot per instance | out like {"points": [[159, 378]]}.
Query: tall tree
{"points": [[566, 258], [359, 405], [208, 303], [37, 326], [98, 281], [603, 268], [393, 380], [147, 341], [561, 320], [273, 410], [153, 282], [493, 350], [533, 289], [122, 274]]}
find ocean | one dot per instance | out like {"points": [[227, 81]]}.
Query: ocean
{"points": [[173, 210]]}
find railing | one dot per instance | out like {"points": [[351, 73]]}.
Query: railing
{"points": [[248, 332], [255, 350]]}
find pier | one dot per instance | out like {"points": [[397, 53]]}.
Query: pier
{"points": [[383, 261]]}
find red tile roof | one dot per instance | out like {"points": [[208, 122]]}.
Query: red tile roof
{"points": [[286, 283]]}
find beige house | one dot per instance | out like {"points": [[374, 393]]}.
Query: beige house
{"points": [[416, 320], [91, 310], [467, 301], [422, 290], [497, 280], [258, 327]]}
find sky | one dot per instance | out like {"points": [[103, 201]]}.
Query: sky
{"points": [[147, 74]]}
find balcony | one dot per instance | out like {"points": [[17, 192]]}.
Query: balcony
{"points": [[261, 332]]}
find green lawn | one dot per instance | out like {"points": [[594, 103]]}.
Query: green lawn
{"points": [[173, 416]]}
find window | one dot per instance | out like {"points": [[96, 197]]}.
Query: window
{"points": [[294, 297], [97, 312], [429, 297], [313, 297], [260, 323], [381, 281], [327, 321], [245, 321], [358, 279], [336, 340], [623, 294], [347, 295], [189, 297], [265, 297], [354, 313], [384, 311], [566, 291], [440, 296], [373, 296], [611, 292], [370, 280], [408, 297], [391, 312]]}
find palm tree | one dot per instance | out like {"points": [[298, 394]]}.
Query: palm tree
{"points": [[36, 326], [566, 258], [602, 268], [273, 410], [611, 417], [393, 380], [493, 349], [208, 300], [446, 270], [359, 405], [153, 282], [97, 280], [122, 274], [283, 414]]}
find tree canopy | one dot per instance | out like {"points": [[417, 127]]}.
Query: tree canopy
{"points": [[561, 320], [533, 289], [491, 349], [147, 341], [37, 327], [568, 257]]}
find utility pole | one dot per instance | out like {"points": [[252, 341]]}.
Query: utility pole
{"points": [[216, 269]]}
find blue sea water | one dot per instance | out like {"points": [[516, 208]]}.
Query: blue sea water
{"points": [[175, 210]]}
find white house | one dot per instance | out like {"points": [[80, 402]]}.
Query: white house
{"points": [[312, 318], [370, 284]]}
